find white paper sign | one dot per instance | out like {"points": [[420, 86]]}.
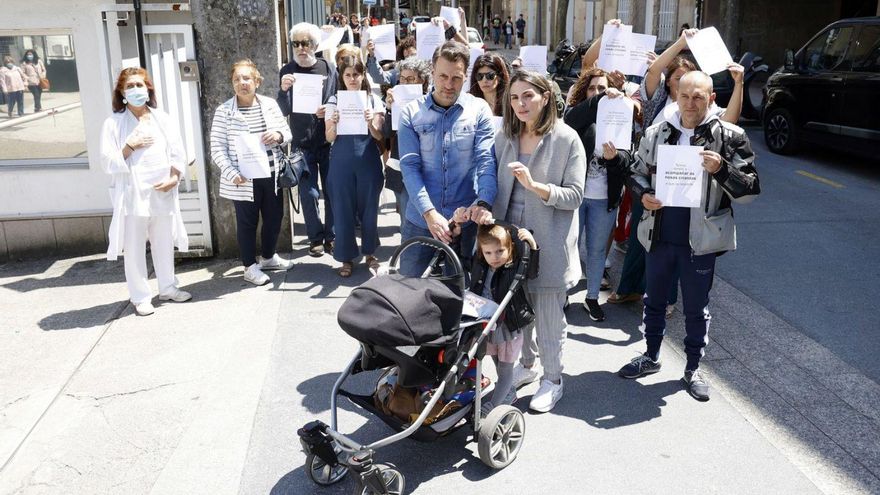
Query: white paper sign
{"points": [[709, 50], [638, 47], [307, 93], [680, 175], [428, 37], [383, 37], [451, 16], [403, 94], [330, 39], [351, 106], [534, 58], [253, 162], [614, 122], [613, 52]]}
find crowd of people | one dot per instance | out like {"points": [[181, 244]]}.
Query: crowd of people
{"points": [[455, 167]]}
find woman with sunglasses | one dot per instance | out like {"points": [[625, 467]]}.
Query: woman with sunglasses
{"points": [[489, 80]]}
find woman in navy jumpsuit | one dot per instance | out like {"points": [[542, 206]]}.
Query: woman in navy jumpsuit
{"points": [[355, 180]]}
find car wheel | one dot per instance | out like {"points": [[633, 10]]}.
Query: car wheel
{"points": [[780, 133]]}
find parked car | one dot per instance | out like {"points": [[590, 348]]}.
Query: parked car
{"points": [[474, 39], [828, 92], [417, 19]]}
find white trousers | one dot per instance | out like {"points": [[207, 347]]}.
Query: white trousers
{"points": [[137, 231], [550, 330]]}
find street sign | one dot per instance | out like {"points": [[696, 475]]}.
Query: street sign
{"points": [[369, 2]]}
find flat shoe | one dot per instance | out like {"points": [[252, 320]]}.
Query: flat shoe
{"points": [[373, 263], [616, 298], [345, 269]]}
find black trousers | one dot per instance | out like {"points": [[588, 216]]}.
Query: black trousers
{"points": [[247, 214]]}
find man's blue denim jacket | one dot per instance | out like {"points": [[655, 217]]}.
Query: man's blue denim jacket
{"points": [[447, 156]]}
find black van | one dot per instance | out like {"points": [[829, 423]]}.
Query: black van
{"points": [[828, 93]]}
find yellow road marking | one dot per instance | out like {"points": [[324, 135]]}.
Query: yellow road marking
{"points": [[823, 180]]}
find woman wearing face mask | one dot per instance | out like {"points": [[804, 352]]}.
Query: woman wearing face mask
{"points": [[489, 80], [12, 82], [34, 70], [253, 117], [541, 190], [142, 149], [355, 179]]}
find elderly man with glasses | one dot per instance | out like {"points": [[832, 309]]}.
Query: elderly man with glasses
{"points": [[308, 133]]}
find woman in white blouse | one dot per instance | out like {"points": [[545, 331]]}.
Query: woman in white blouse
{"points": [[142, 149]]}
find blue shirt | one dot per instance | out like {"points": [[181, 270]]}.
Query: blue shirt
{"points": [[446, 155]]}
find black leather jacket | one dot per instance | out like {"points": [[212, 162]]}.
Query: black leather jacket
{"points": [[518, 315]]}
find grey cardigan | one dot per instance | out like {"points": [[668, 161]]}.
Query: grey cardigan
{"points": [[559, 161]]}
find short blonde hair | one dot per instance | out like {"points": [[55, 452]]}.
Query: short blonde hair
{"points": [[249, 64], [347, 50]]}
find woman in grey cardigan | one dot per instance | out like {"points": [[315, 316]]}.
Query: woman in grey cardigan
{"points": [[541, 189]]}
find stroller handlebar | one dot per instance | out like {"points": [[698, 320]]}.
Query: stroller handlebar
{"points": [[451, 257]]}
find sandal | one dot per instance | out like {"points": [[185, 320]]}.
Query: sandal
{"points": [[373, 263], [346, 268]]}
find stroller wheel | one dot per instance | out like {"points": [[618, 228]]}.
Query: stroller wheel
{"points": [[501, 436], [322, 473], [392, 479]]}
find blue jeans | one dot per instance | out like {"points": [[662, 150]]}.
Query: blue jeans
{"points": [[319, 166], [415, 260], [596, 222], [14, 98], [697, 274], [632, 275]]}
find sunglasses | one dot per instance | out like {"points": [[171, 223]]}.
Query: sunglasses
{"points": [[303, 43], [489, 76]]}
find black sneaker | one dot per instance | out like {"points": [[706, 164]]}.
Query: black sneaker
{"points": [[639, 367], [606, 281], [592, 307], [697, 384], [316, 249]]}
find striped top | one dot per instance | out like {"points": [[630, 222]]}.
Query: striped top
{"points": [[253, 115], [227, 123]]}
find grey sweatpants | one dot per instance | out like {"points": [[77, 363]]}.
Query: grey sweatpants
{"points": [[550, 330]]}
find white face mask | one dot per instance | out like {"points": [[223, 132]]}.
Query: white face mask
{"points": [[137, 97]]}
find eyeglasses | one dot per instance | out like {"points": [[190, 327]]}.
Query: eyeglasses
{"points": [[301, 43], [489, 76]]}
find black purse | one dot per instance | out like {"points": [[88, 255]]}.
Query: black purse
{"points": [[293, 169]]}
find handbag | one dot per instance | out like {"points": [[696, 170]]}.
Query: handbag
{"points": [[44, 84], [293, 169]]}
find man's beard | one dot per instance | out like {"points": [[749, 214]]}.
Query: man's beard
{"points": [[310, 61]]}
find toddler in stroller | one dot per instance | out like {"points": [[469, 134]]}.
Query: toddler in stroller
{"points": [[415, 330], [494, 268]]}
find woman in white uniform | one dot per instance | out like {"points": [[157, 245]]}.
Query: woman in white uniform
{"points": [[142, 149]]}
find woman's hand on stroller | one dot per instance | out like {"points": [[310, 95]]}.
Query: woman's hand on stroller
{"points": [[526, 236]]}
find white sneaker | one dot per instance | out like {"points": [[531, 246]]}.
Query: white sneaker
{"points": [[275, 263], [523, 376], [144, 308], [254, 275], [176, 295], [547, 396]]}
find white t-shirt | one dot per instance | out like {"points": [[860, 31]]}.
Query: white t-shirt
{"points": [[148, 166], [685, 138], [597, 180]]}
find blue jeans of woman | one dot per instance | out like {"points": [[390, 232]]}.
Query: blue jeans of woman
{"points": [[595, 222], [355, 180], [14, 98]]}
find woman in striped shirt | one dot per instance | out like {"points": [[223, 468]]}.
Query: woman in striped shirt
{"points": [[248, 116]]}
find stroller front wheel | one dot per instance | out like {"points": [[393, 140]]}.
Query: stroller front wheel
{"points": [[392, 479], [501, 436], [322, 473]]}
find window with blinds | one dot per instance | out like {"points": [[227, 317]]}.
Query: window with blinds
{"points": [[624, 11], [667, 20]]}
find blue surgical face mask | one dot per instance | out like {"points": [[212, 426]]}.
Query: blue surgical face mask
{"points": [[137, 97], [9, 66], [29, 57]]}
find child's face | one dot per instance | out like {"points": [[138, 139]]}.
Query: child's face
{"points": [[495, 254]]}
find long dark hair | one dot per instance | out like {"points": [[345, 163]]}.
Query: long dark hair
{"points": [[513, 127], [496, 64], [119, 90], [358, 66], [31, 51]]}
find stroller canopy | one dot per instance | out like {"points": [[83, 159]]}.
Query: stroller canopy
{"points": [[394, 310]]}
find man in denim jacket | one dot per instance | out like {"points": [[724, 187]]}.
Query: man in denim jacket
{"points": [[445, 140], [689, 238]]}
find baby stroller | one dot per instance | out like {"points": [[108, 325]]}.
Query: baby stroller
{"points": [[415, 327]]}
